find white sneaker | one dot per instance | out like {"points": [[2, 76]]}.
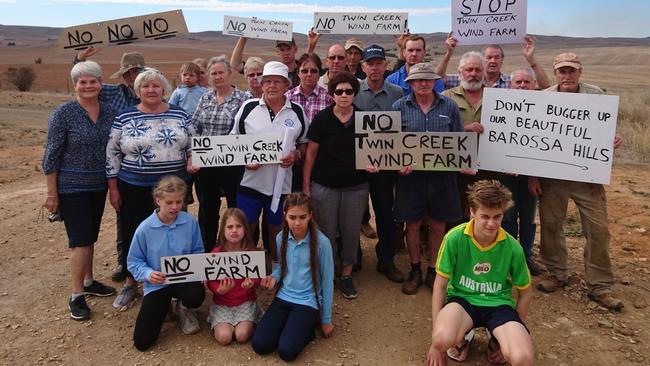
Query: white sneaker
{"points": [[187, 318], [125, 298]]}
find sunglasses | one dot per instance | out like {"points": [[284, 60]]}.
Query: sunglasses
{"points": [[254, 74], [309, 71], [341, 91], [336, 57]]}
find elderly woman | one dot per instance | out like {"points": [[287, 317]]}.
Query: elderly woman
{"points": [[74, 167], [214, 116], [147, 141], [251, 69], [339, 190]]}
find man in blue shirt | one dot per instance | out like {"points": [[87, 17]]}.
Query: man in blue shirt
{"points": [[414, 51]]}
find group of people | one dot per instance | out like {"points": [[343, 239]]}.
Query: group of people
{"points": [[128, 141]]}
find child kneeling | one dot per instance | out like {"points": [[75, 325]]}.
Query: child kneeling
{"points": [[169, 231], [234, 311], [478, 264], [306, 278]]}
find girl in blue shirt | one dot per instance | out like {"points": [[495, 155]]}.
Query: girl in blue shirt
{"points": [[168, 231], [306, 284]]}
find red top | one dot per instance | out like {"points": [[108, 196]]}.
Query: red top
{"points": [[237, 295]]}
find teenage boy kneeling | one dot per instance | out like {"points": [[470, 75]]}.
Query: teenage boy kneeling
{"points": [[478, 264]]}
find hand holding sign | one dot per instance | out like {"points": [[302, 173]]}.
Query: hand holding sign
{"points": [[268, 282], [157, 278]]}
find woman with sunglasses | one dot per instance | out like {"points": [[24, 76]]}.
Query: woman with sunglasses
{"points": [[338, 189]]}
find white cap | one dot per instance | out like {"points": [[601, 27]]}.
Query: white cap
{"points": [[276, 68]]}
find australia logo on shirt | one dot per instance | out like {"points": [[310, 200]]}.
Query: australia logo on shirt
{"points": [[289, 123], [481, 268]]}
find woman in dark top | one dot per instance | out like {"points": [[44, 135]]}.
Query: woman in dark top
{"points": [[339, 190], [74, 167]]}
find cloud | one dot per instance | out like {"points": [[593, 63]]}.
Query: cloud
{"points": [[264, 7]]}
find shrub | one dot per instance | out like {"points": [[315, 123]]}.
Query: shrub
{"points": [[38, 61], [22, 78]]}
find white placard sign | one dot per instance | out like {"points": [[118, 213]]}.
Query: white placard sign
{"points": [[231, 150], [149, 27], [360, 23], [213, 266], [379, 141], [257, 28], [548, 134], [488, 21]]}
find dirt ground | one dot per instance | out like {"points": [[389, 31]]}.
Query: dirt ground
{"points": [[382, 326]]}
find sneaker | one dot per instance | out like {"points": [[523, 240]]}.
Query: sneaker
{"points": [[533, 267], [368, 231], [347, 288], [430, 278], [187, 319], [119, 274], [390, 271], [125, 297], [79, 310], [550, 284], [412, 283], [98, 289], [608, 301]]}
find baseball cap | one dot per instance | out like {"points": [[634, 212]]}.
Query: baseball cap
{"points": [[353, 42], [374, 51], [276, 68], [567, 59]]}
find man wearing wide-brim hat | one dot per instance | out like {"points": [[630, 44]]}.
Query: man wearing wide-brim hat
{"points": [[425, 195], [591, 202], [119, 96]]}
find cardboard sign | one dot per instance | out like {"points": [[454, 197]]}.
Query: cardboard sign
{"points": [[257, 28], [488, 21], [230, 150], [149, 27], [213, 266], [360, 23], [548, 134], [380, 142]]}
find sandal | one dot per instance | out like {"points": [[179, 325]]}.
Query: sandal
{"points": [[460, 351], [494, 356]]}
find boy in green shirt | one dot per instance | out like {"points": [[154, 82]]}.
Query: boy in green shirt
{"points": [[478, 264]]}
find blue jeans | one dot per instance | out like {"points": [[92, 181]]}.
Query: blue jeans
{"points": [[523, 210], [287, 327]]}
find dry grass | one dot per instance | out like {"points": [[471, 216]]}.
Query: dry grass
{"points": [[633, 115]]}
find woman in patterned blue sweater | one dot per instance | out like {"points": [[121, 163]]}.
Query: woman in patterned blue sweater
{"points": [[73, 164], [147, 141]]}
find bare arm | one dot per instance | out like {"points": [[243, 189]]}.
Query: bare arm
{"points": [[528, 49], [523, 303], [312, 41], [88, 52], [310, 159], [451, 43], [435, 356], [236, 57], [52, 198]]}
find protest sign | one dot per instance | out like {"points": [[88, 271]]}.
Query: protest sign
{"points": [[257, 28], [230, 150], [149, 27], [488, 21], [360, 23], [213, 266], [380, 142], [548, 134]]}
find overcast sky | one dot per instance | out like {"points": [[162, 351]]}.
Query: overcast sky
{"points": [[577, 18]]}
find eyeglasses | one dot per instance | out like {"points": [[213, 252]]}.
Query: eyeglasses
{"points": [[336, 57], [309, 71], [341, 91], [254, 74]]}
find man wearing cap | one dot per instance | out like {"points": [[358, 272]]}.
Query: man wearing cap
{"points": [[375, 94], [591, 202], [274, 112], [353, 53], [414, 52], [425, 195], [286, 50], [119, 96], [335, 63], [493, 56]]}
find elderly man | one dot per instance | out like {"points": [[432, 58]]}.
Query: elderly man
{"points": [[591, 202], [424, 195], [274, 112], [414, 51], [494, 56], [377, 95], [335, 62], [119, 96]]}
